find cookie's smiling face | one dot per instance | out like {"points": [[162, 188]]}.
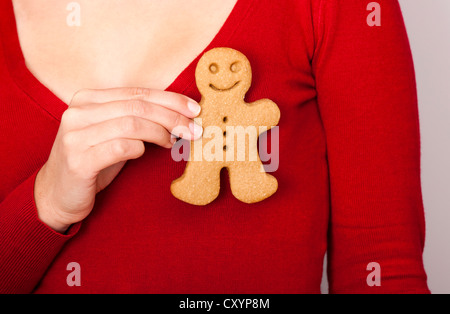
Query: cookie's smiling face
{"points": [[215, 69], [224, 71]]}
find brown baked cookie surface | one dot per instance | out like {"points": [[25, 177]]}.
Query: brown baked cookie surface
{"points": [[231, 130]]}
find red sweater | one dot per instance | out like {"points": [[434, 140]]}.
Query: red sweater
{"points": [[349, 172]]}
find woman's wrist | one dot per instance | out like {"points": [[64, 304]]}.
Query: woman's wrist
{"points": [[46, 218], [45, 211]]}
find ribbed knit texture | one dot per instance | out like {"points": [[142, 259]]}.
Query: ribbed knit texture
{"points": [[349, 173], [27, 246]]}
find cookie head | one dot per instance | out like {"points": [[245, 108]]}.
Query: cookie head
{"points": [[223, 71]]}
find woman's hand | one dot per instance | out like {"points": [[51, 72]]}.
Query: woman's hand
{"points": [[99, 132]]}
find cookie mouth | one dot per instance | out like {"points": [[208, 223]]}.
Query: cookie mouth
{"points": [[224, 89]]}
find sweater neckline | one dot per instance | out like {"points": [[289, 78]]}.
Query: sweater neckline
{"points": [[51, 103]]}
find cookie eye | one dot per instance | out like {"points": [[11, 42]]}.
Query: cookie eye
{"points": [[214, 68], [235, 67]]}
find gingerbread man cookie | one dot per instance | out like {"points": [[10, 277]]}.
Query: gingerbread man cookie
{"points": [[231, 130]]}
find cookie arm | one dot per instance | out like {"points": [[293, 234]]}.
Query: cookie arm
{"points": [[368, 103], [266, 112]]}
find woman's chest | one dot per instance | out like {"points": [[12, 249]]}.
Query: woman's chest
{"points": [[142, 43]]}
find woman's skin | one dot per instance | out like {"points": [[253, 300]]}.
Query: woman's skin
{"points": [[111, 71]]}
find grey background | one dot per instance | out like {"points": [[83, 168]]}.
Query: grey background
{"points": [[428, 25]]}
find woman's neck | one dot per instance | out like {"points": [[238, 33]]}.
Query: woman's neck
{"points": [[106, 43]]}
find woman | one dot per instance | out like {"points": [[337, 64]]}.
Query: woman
{"points": [[86, 115]]}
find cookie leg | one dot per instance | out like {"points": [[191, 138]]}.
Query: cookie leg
{"points": [[249, 183], [199, 185]]}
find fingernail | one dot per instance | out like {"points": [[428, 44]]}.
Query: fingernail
{"points": [[196, 130], [194, 107]]}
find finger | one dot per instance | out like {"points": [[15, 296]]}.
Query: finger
{"points": [[128, 127], [109, 153], [174, 101], [82, 116]]}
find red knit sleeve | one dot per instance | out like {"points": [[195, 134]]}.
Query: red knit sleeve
{"points": [[27, 246], [368, 103]]}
